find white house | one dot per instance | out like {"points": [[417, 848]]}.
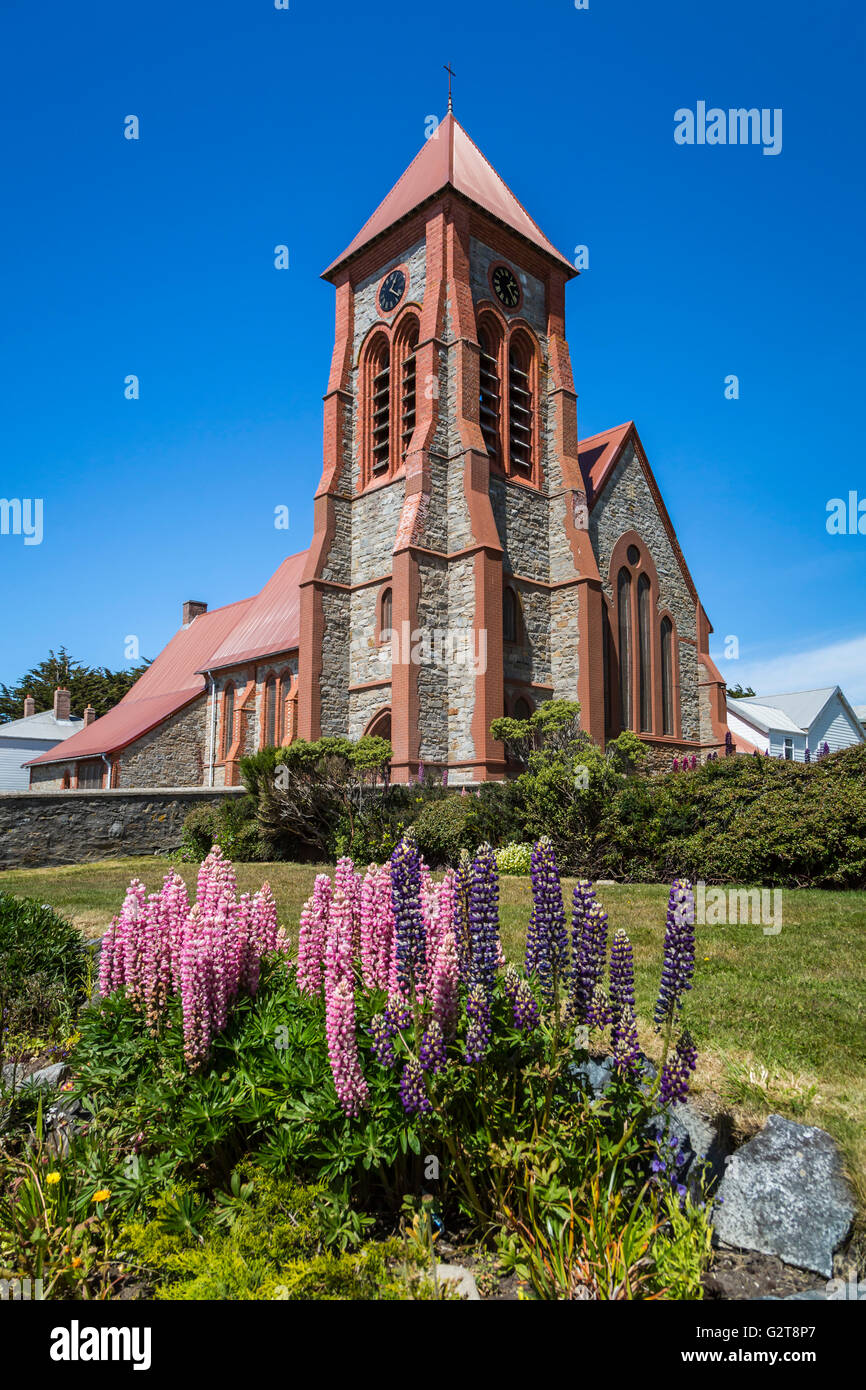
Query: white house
{"points": [[786, 725], [860, 711], [23, 739]]}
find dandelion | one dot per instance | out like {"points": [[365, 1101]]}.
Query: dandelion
{"points": [[102, 1194], [52, 1178]]}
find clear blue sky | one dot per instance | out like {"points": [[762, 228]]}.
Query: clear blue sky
{"points": [[261, 126]]}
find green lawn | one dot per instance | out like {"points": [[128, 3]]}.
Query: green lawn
{"points": [[779, 1020]]}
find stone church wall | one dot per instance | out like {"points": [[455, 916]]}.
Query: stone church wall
{"points": [[628, 505]]}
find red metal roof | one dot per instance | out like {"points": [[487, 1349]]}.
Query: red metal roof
{"points": [[450, 158], [239, 632], [271, 623]]}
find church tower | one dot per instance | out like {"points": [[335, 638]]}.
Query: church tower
{"points": [[451, 512]]}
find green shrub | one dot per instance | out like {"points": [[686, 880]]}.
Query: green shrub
{"points": [[231, 824], [447, 826], [514, 859], [44, 968]]}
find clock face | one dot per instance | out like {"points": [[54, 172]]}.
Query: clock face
{"points": [[505, 287], [391, 291]]}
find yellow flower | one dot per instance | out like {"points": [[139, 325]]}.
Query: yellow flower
{"points": [[76, 1261], [52, 1177], [102, 1195]]}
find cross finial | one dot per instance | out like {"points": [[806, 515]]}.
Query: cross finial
{"points": [[451, 73]]}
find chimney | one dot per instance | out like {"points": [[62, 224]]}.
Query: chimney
{"points": [[29, 706], [89, 715], [62, 703], [192, 609]]}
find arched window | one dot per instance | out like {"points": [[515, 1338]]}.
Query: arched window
{"points": [[408, 386], [386, 611], [489, 390], [644, 626], [270, 713], [667, 646], [509, 615], [380, 405], [228, 719], [520, 406], [623, 600], [522, 709], [66, 781]]}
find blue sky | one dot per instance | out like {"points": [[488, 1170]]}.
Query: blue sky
{"points": [[261, 126]]}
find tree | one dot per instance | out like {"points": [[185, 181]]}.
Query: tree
{"points": [[738, 692], [87, 685]]}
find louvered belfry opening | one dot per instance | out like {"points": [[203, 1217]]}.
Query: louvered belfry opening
{"points": [[519, 408], [488, 394], [408, 387], [380, 409]]}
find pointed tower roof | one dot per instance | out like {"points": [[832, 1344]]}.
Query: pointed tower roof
{"points": [[449, 159]]}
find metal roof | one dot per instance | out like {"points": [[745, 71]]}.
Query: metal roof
{"points": [[450, 159], [764, 716], [801, 707], [166, 686], [271, 623], [42, 726]]}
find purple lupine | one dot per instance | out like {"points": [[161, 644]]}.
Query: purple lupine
{"points": [[546, 939], [524, 1006], [677, 1069], [478, 1031], [431, 1053], [484, 920], [413, 1090], [598, 1011], [808, 754], [729, 743], [825, 750], [588, 949], [626, 1050], [409, 935], [679, 952], [621, 979], [381, 1032], [676, 765]]}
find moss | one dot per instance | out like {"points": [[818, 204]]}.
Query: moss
{"points": [[271, 1249]]}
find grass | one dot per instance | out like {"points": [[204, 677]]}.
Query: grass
{"points": [[779, 1020]]}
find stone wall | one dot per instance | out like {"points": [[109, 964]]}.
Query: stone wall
{"points": [[40, 828]]}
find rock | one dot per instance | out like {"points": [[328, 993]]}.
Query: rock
{"points": [[596, 1075], [50, 1077], [709, 1141], [783, 1193], [461, 1278]]}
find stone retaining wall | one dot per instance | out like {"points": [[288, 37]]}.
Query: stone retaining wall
{"points": [[73, 827]]}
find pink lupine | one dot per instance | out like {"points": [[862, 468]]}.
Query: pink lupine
{"points": [[385, 927], [438, 919], [348, 882], [155, 977], [339, 952], [443, 992], [312, 935], [216, 939], [349, 1080], [195, 992], [128, 966], [265, 919], [175, 900], [249, 960], [368, 947], [216, 878], [106, 961]]}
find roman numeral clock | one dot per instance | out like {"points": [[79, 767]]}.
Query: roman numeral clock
{"points": [[506, 286]]}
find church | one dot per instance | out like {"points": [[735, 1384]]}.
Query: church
{"points": [[471, 556]]}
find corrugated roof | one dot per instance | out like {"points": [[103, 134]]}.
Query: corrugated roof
{"points": [[166, 686], [802, 707], [451, 159], [765, 716], [271, 623], [42, 726]]}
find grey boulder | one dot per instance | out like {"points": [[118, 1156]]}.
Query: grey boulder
{"points": [[784, 1194]]}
